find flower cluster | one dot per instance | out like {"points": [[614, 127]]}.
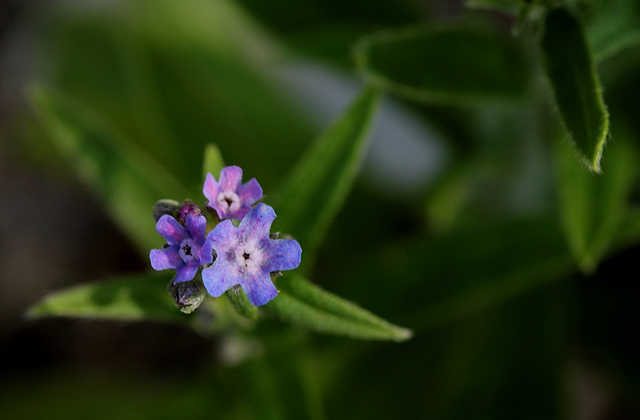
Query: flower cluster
{"points": [[230, 255]]}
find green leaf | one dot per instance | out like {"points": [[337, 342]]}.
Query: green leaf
{"points": [[132, 298], [442, 65], [434, 281], [316, 188], [213, 161], [594, 208], [612, 26], [306, 305], [575, 85], [177, 77], [127, 180]]}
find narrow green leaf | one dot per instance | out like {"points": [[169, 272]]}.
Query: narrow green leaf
{"points": [[308, 306], [595, 208], [131, 298], [575, 85], [316, 188], [127, 180], [442, 65], [213, 161]]}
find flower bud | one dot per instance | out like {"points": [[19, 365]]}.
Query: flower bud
{"points": [[187, 295], [163, 207], [188, 207]]}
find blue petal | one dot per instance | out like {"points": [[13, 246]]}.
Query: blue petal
{"points": [[163, 259], [206, 252], [197, 225], [282, 254], [171, 230], [186, 272], [219, 278], [259, 290], [223, 236], [257, 223]]}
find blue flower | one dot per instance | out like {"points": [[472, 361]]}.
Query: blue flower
{"points": [[230, 198], [246, 256], [186, 250]]}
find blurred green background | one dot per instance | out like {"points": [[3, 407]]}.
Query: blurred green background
{"points": [[461, 225]]}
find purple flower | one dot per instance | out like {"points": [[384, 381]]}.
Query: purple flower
{"points": [[230, 198], [247, 256], [187, 248]]}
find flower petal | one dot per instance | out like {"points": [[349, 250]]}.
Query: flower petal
{"points": [[210, 189], [239, 214], [219, 278], [257, 222], [206, 252], [171, 230], [260, 290], [197, 225], [230, 178], [249, 193], [186, 272], [283, 254], [223, 236], [163, 259]]}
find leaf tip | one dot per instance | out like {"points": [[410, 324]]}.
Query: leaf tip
{"points": [[213, 161], [402, 334], [36, 310]]}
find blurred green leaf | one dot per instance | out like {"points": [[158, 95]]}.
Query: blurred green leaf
{"points": [[123, 177], [594, 208], [174, 77], [441, 279], [448, 64], [213, 161], [318, 185], [612, 26], [327, 29], [308, 306], [131, 298], [575, 85]]}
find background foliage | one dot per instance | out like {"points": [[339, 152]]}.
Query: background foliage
{"points": [[488, 204]]}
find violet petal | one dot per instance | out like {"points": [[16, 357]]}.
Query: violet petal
{"points": [[170, 229], [230, 178], [163, 259], [260, 290], [250, 192]]}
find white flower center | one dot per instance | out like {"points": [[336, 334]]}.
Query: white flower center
{"points": [[186, 248], [228, 201], [249, 257]]}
